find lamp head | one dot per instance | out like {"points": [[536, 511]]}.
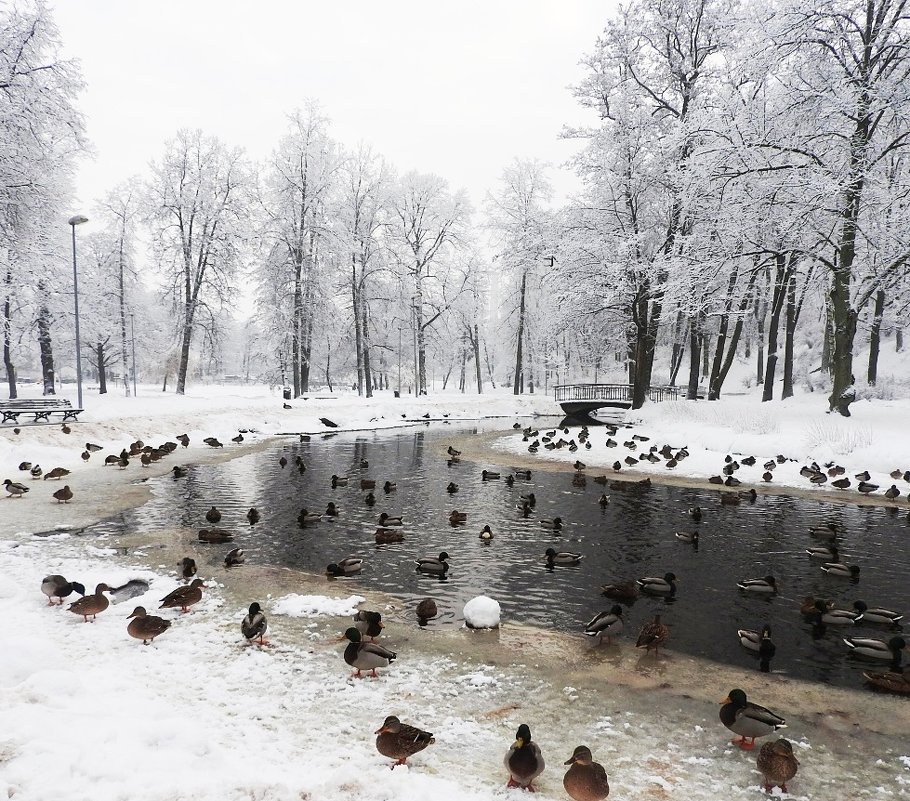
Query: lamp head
{"points": [[78, 219]]}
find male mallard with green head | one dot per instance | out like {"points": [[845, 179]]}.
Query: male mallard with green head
{"points": [[523, 760], [56, 588], [748, 720], [365, 655], [254, 625]]}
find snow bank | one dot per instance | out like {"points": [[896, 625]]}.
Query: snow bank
{"points": [[316, 605]]}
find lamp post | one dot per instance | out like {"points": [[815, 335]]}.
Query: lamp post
{"points": [[133, 337], [78, 219]]}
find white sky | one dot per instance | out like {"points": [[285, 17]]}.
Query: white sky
{"points": [[456, 88]]}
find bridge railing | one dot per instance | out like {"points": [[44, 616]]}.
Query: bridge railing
{"points": [[609, 392]]}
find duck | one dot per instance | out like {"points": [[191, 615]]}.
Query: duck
{"points": [[686, 536], [841, 483], [652, 635], [56, 588], [365, 655], [386, 520], [253, 516], [877, 614], [187, 567], [452, 488], [368, 623], [452, 452], [456, 517], [604, 499], [57, 472], [748, 720], [840, 569], [308, 518], [179, 471], [750, 639], [427, 609], [433, 564], [892, 492], [875, 649], [523, 760], [606, 624], [339, 481], [213, 516], [344, 567], [369, 499], [892, 681], [36, 471], [585, 780], [865, 487], [215, 535], [625, 591], [530, 499], [64, 494], [367, 484], [144, 626], [523, 474], [184, 597], [564, 558], [91, 604], [14, 488], [827, 614], [824, 552], [254, 625], [387, 536], [765, 586], [579, 465], [555, 524], [399, 741], [389, 486], [695, 513], [25, 466], [653, 585], [234, 557], [777, 764], [809, 607], [510, 480], [829, 531], [486, 534]]}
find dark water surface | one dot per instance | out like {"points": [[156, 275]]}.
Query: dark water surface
{"points": [[632, 537]]}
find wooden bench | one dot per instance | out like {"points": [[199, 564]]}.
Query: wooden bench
{"points": [[42, 408]]}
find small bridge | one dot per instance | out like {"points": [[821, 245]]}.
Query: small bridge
{"points": [[579, 400]]}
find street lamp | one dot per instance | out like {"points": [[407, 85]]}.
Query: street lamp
{"points": [[73, 222], [133, 336]]}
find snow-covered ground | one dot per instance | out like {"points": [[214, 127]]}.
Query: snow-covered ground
{"points": [[89, 713]]}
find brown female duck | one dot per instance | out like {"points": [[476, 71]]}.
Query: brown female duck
{"points": [[777, 764], [585, 780], [398, 740], [146, 627], [91, 604], [183, 597]]}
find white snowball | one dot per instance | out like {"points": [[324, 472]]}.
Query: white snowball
{"points": [[482, 613]]}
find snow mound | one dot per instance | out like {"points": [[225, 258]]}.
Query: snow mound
{"points": [[482, 613], [316, 605]]}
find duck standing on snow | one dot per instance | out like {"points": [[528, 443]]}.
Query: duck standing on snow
{"points": [[146, 627], [91, 604], [187, 567], [399, 741], [254, 625], [523, 760], [183, 597], [748, 720], [14, 488], [585, 780], [57, 587], [777, 764], [365, 655], [606, 624]]}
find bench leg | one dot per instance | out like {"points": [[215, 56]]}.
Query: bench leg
{"points": [[70, 416], [14, 416], [46, 416]]}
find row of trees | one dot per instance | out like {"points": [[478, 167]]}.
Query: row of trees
{"points": [[746, 174]]}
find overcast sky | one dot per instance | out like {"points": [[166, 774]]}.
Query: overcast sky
{"points": [[456, 88]]}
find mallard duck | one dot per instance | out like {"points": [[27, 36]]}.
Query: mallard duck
{"points": [[690, 537], [488, 475], [456, 517], [64, 494], [486, 534], [562, 557], [344, 567], [187, 567], [14, 488], [874, 649], [892, 681], [763, 586], [339, 481], [809, 607], [36, 471], [253, 516], [254, 625], [57, 472], [389, 486], [606, 624], [367, 484], [750, 639], [585, 780], [604, 499], [555, 524], [91, 604], [877, 614], [433, 564], [523, 760], [368, 623], [829, 531], [386, 536], [748, 720], [840, 569], [365, 655], [654, 585], [57, 588], [213, 516], [234, 557], [427, 609], [212, 442], [399, 741], [179, 471], [184, 597], [386, 520], [777, 764], [827, 614], [452, 488], [215, 535], [824, 552], [369, 499], [452, 452], [695, 513], [530, 499], [626, 591], [308, 518], [652, 635], [523, 474], [144, 626]]}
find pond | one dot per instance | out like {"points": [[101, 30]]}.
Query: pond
{"points": [[631, 537]]}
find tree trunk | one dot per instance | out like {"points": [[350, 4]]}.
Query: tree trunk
{"points": [[365, 340], [122, 302], [8, 334], [519, 367], [477, 359], [328, 364], [489, 362], [898, 340], [679, 346], [184, 353], [789, 334], [761, 311], [45, 344], [781, 279], [875, 336], [102, 368], [297, 323], [721, 364], [358, 336], [694, 358]]}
